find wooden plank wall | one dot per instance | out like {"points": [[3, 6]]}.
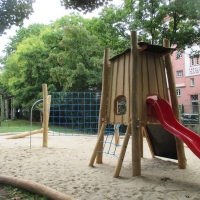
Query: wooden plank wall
{"points": [[120, 84], [152, 81]]}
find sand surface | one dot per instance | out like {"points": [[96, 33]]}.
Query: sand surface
{"points": [[63, 166]]}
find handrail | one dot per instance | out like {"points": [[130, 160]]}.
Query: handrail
{"points": [[31, 118]]}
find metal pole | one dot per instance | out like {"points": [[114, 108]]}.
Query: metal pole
{"points": [[31, 118]]}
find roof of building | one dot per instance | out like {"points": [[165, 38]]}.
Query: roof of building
{"points": [[148, 47]]}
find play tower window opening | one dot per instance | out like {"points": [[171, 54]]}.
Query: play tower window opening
{"points": [[120, 105]]}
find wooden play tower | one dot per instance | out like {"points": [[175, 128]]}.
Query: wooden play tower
{"points": [[134, 75]]}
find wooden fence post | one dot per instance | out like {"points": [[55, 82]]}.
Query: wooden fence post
{"points": [[45, 115]]}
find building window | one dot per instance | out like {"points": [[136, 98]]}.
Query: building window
{"points": [[192, 61], [192, 82], [178, 92], [194, 98], [179, 73], [194, 103], [178, 55]]}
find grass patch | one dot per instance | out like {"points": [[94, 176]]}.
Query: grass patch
{"points": [[18, 126], [11, 126], [10, 192]]}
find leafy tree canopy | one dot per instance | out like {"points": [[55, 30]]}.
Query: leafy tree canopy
{"points": [[76, 62], [21, 34], [86, 5], [63, 54], [183, 28], [25, 71], [112, 28], [176, 20], [67, 54], [13, 12]]}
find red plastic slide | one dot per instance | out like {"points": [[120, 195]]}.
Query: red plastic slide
{"points": [[162, 111]]}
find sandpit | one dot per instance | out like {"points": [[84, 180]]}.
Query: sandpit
{"points": [[63, 166]]}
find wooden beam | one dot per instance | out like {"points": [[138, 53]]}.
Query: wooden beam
{"points": [[142, 48], [45, 115], [22, 135], [144, 130], [141, 142], [104, 95], [98, 143], [167, 52], [116, 135], [174, 101], [122, 152], [136, 150]]}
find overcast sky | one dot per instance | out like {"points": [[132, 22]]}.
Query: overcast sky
{"points": [[44, 12]]}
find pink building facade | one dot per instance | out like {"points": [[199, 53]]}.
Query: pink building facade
{"points": [[187, 79]]}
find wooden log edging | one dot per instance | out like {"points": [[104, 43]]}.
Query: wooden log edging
{"points": [[22, 135], [34, 187]]}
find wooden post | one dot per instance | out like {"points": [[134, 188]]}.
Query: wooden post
{"points": [[98, 143], [104, 95], [116, 134], [141, 141], [2, 106], [174, 101], [116, 137], [144, 130], [136, 150], [122, 153], [45, 115]]}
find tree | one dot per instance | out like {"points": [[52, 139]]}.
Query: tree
{"points": [[176, 20], [77, 66], [77, 46], [25, 68], [21, 34], [86, 5], [148, 19], [65, 56], [24, 71], [183, 28], [111, 28], [13, 12]]}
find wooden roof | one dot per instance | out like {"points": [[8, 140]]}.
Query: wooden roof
{"points": [[148, 47]]}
